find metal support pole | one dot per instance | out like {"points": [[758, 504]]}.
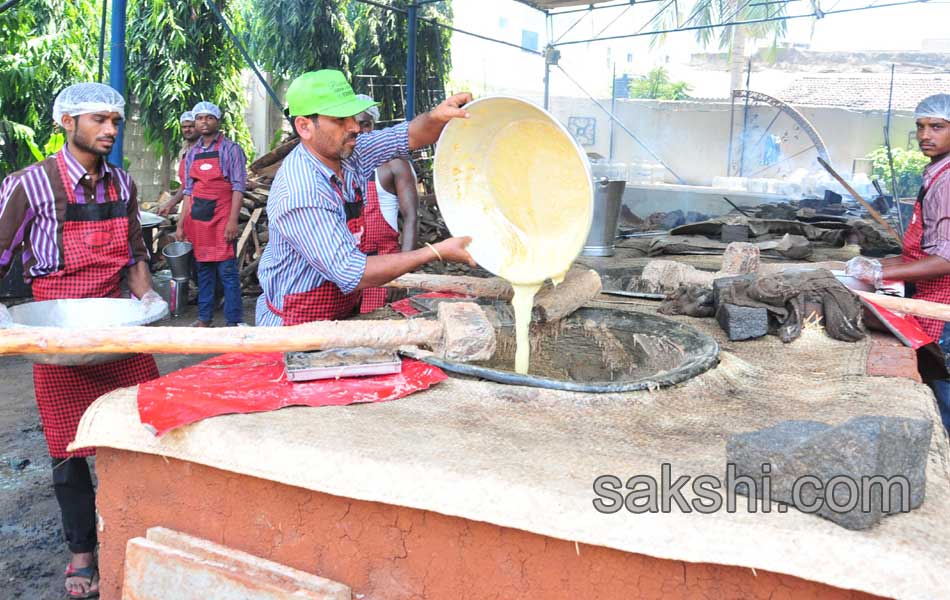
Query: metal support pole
{"points": [[745, 120], [117, 69], [7, 5], [411, 62], [547, 85], [102, 39], [613, 109], [247, 57], [732, 133], [623, 127], [551, 57], [890, 156]]}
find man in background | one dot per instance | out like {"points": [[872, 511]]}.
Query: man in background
{"points": [[390, 193]]}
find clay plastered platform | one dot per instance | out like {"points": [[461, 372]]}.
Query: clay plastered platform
{"points": [[526, 459]]}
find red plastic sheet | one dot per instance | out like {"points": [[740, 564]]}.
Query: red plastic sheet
{"points": [[904, 327], [406, 309], [249, 383]]}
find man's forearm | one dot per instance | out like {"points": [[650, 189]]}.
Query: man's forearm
{"points": [[139, 279], [410, 231], [185, 211], [236, 198], [930, 267], [384, 268], [423, 131], [892, 261]]}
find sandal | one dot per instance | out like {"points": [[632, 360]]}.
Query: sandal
{"points": [[91, 573]]}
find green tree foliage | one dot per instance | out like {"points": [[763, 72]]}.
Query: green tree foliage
{"points": [[290, 37], [382, 46], [908, 169], [178, 55], [657, 86], [44, 47]]}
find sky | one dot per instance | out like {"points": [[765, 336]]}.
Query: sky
{"points": [[494, 68]]}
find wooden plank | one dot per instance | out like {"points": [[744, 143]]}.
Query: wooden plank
{"points": [[275, 156], [246, 234]]}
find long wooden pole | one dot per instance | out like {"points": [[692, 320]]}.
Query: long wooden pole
{"points": [[195, 340], [909, 306], [876, 215]]}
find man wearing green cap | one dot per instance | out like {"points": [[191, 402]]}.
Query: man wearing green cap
{"points": [[315, 265]]}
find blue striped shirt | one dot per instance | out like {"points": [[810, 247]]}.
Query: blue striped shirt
{"points": [[233, 163], [309, 243]]}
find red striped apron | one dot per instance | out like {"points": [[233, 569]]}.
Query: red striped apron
{"points": [[382, 239], [934, 290], [327, 302], [210, 207], [95, 250]]}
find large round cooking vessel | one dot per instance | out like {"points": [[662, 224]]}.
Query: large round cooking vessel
{"points": [[84, 313], [514, 179]]}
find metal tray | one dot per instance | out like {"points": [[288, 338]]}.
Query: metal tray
{"points": [[341, 362]]}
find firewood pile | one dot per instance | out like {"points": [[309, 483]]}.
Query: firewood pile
{"points": [[253, 223]]}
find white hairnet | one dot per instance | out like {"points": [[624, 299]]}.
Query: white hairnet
{"points": [[85, 98], [206, 108], [372, 111], [186, 116], [935, 107]]}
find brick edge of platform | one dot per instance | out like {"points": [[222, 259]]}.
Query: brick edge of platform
{"points": [[888, 357]]}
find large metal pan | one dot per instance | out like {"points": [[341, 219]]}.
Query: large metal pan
{"points": [[514, 179], [85, 313]]}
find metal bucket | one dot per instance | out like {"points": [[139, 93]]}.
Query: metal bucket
{"points": [[608, 196], [178, 255], [178, 295]]}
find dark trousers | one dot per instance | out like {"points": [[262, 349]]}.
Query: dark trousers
{"points": [[941, 387], [209, 275], [72, 484]]}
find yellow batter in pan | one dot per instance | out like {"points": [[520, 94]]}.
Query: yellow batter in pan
{"points": [[515, 181]]}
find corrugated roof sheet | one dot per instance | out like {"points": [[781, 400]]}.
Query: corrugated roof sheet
{"points": [[862, 91]]}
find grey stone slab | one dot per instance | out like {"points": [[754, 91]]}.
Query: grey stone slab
{"points": [[734, 233], [859, 471], [725, 282], [743, 322]]}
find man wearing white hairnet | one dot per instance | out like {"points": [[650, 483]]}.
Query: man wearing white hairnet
{"points": [[390, 193], [925, 260], [189, 134], [77, 219], [215, 178]]}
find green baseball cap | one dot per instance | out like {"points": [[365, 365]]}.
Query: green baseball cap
{"points": [[324, 92]]}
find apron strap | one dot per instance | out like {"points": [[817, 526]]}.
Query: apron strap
{"points": [[68, 186], [922, 192], [273, 309]]}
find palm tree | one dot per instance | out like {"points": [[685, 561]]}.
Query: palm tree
{"points": [[734, 37]]}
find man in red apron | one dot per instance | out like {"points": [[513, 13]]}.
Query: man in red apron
{"points": [[390, 193], [77, 219], [925, 260], [189, 134], [317, 260], [215, 179]]}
